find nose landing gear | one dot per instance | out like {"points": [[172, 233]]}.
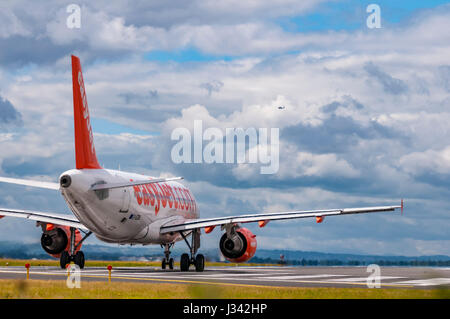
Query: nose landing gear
{"points": [[167, 260]]}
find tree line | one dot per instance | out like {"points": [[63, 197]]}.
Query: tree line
{"points": [[337, 262]]}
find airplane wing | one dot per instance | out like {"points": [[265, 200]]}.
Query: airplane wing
{"points": [[264, 218], [97, 187], [27, 182], [57, 219]]}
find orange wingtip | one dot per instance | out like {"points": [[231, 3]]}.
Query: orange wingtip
{"points": [[319, 219]]}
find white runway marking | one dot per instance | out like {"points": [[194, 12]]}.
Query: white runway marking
{"points": [[268, 269], [426, 282], [228, 277], [300, 277], [362, 279], [234, 275]]}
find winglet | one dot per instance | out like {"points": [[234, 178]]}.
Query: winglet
{"points": [[401, 206], [85, 155]]}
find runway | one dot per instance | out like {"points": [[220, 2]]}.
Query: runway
{"points": [[277, 276]]}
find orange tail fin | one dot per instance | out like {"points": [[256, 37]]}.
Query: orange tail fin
{"points": [[84, 139]]}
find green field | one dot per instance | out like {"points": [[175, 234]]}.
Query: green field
{"points": [[41, 289]]}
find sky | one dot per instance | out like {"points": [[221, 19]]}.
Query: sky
{"points": [[365, 120]]}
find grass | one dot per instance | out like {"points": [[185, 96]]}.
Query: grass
{"points": [[42, 289]]}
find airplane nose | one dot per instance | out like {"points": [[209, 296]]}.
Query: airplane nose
{"points": [[65, 181]]}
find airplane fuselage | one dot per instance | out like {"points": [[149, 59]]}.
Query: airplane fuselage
{"points": [[127, 215]]}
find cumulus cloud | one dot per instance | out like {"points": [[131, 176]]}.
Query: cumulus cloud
{"points": [[444, 74], [123, 30], [11, 25], [390, 85], [429, 160], [8, 114], [213, 86], [307, 164]]}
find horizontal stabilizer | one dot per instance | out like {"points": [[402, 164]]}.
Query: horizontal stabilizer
{"points": [[133, 183], [57, 219], [27, 182]]}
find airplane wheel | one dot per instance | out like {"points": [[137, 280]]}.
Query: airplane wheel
{"points": [[64, 259], [171, 263], [163, 264], [79, 259], [184, 262], [199, 263]]}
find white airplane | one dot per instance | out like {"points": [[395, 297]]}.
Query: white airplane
{"points": [[127, 208]]}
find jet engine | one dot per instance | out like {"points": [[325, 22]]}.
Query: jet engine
{"points": [[238, 245], [55, 239]]}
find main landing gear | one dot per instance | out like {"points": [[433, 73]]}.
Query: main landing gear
{"points": [[186, 260], [68, 256]]}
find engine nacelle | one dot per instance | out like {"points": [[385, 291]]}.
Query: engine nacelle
{"points": [[56, 239], [240, 247]]}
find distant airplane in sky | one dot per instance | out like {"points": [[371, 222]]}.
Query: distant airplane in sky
{"points": [[127, 208]]}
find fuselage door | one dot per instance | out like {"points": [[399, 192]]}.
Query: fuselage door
{"points": [[126, 198]]}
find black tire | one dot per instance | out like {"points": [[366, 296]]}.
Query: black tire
{"points": [[171, 262], [199, 263], [185, 262], [64, 259], [163, 263], [79, 259]]}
